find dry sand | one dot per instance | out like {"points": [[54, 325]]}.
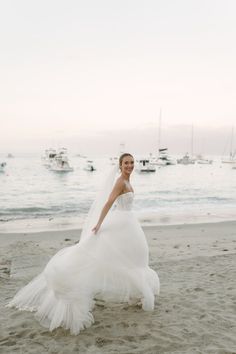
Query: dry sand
{"points": [[195, 312]]}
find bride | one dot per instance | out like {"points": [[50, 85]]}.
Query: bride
{"points": [[110, 263]]}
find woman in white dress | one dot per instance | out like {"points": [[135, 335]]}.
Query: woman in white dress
{"points": [[110, 262]]}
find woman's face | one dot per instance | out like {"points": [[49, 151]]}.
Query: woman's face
{"points": [[127, 165]]}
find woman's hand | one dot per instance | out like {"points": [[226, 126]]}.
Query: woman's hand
{"points": [[95, 229]]}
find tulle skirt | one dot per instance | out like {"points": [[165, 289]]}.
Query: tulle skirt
{"points": [[111, 265]]}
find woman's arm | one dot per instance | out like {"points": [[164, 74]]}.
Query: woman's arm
{"points": [[117, 190]]}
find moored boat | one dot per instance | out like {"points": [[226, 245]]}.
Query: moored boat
{"points": [[144, 165]]}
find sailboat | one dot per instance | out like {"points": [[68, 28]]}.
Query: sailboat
{"points": [[163, 158], [232, 154], [187, 159]]}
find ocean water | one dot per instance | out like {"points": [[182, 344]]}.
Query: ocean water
{"points": [[35, 198]]}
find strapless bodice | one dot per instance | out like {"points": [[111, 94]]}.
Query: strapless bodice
{"points": [[124, 201]]}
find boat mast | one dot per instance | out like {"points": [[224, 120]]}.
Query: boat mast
{"points": [[231, 144], [192, 141], [159, 132]]}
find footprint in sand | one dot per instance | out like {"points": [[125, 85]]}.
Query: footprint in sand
{"points": [[102, 341], [198, 289]]}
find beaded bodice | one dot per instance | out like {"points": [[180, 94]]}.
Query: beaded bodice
{"points": [[124, 201]]}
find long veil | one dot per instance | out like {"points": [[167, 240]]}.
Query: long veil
{"points": [[104, 191], [63, 293]]}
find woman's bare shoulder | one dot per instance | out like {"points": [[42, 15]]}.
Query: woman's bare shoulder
{"points": [[120, 182]]}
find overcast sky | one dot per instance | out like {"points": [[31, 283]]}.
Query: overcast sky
{"points": [[76, 71]]}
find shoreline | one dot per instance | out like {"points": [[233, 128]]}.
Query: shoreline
{"points": [[145, 227], [145, 219]]}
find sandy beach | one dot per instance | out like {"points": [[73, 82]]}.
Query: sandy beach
{"points": [[195, 312]]}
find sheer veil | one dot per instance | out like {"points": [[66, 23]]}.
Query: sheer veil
{"points": [[106, 185]]}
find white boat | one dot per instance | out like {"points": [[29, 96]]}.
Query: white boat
{"points": [[48, 157], [230, 159], [144, 165], [203, 161], [164, 159], [2, 166], [60, 162], [89, 166], [186, 160]]}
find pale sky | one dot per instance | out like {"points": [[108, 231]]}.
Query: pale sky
{"points": [[83, 68]]}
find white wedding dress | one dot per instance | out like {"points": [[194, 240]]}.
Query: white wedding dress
{"points": [[111, 265]]}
